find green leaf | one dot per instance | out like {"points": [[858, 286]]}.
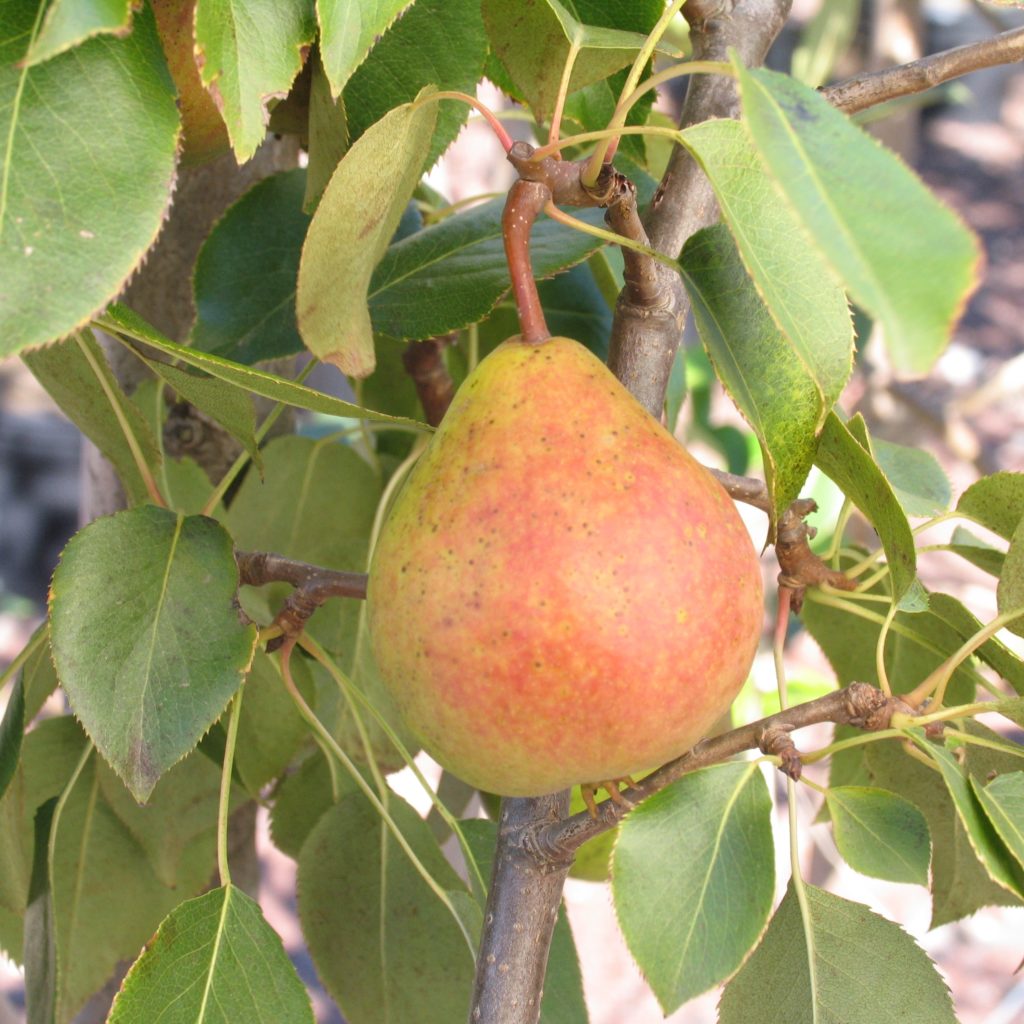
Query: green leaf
{"points": [[533, 42], [12, 729], [562, 1002], [851, 467], [49, 754], [327, 131], [451, 274], [68, 23], [689, 921], [77, 376], [353, 224], [880, 834], [904, 256], [976, 551], [249, 52], [246, 270], [960, 884], [121, 320], [996, 502], [803, 295], [984, 839], [836, 961], [78, 209], [216, 960], [348, 31], [40, 942], [1010, 592], [367, 914], [95, 931], [270, 729], [227, 405], [302, 799], [38, 676], [438, 43], [993, 651], [177, 826], [763, 373], [1003, 801], [147, 642], [918, 481]]}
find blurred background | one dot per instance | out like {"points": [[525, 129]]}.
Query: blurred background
{"points": [[967, 141]]}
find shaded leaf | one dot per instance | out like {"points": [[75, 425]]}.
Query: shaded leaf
{"points": [[353, 224], [12, 729], [976, 551], [327, 131], [689, 921], [245, 273], [1003, 801], [840, 963], [366, 913], [302, 799], [216, 960], [78, 209], [904, 256], [437, 43], [879, 833], [960, 885], [70, 22], [248, 53], [918, 481], [121, 320], [764, 375], [40, 943], [348, 31], [533, 42], [451, 274], [1010, 591], [996, 502], [147, 642], [77, 376], [851, 467]]}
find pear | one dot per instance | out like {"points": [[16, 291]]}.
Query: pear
{"points": [[560, 594]]}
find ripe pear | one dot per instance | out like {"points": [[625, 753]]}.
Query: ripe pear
{"points": [[560, 593]]}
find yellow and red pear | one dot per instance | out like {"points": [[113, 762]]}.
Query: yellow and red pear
{"points": [[560, 593]]}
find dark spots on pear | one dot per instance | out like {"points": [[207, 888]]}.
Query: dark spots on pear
{"points": [[538, 664], [447, 622]]}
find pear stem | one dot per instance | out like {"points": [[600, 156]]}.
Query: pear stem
{"points": [[525, 201]]}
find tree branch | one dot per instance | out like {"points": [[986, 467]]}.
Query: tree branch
{"points": [[871, 88], [859, 704], [424, 362]]}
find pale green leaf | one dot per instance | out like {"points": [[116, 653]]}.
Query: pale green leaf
{"points": [[327, 135], [94, 931], [77, 376], [12, 730], [903, 255], [983, 837], [846, 462], [918, 481], [1010, 592], [353, 224], [836, 962], [533, 42], [880, 834], [121, 320], [760, 369], [996, 502], [148, 644], [1003, 802], [978, 552], [348, 30], [214, 960], [78, 208], [689, 921], [801, 292], [248, 52], [70, 22], [367, 914], [245, 273]]}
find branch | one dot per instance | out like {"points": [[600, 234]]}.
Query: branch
{"points": [[859, 704], [424, 362], [871, 88]]}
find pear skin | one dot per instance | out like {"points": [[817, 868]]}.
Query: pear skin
{"points": [[560, 593]]}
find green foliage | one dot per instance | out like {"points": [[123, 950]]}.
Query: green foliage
{"points": [[348, 31], [689, 921], [78, 209], [124, 621], [214, 959]]}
